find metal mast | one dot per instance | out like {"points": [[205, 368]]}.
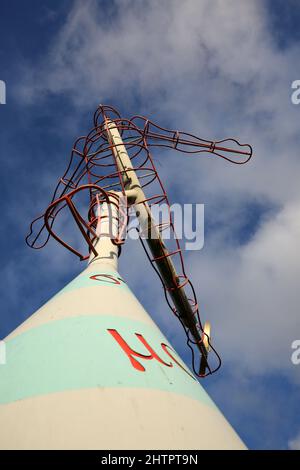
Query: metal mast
{"points": [[90, 369], [156, 244]]}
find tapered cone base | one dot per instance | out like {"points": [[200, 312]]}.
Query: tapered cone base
{"points": [[90, 370]]}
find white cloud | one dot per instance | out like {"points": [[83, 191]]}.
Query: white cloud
{"points": [[147, 47], [294, 444], [252, 294], [211, 68]]}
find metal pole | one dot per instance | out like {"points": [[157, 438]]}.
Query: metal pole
{"points": [[154, 240], [107, 229]]}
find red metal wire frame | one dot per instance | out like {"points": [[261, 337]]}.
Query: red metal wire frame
{"points": [[93, 167], [174, 138], [120, 216], [86, 228], [189, 341]]}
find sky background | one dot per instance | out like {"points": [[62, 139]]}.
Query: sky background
{"points": [[218, 69]]}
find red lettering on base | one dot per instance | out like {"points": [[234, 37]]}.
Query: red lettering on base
{"points": [[131, 353]]}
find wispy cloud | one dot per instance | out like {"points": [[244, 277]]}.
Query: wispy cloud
{"points": [[212, 68], [294, 444]]}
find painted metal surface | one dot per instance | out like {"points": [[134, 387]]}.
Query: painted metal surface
{"points": [[93, 351], [91, 370]]}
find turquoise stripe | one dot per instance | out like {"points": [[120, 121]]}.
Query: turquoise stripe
{"points": [[79, 352]]}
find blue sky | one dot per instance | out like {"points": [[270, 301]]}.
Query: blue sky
{"points": [[202, 67]]}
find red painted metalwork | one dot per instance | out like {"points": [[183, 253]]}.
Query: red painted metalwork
{"points": [[92, 177]]}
